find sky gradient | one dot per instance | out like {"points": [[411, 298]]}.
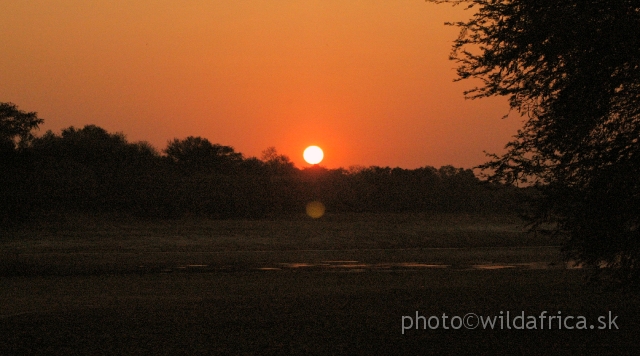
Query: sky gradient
{"points": [[368, 81]]}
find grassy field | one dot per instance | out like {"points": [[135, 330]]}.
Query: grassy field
{"points": [[337, 285]]}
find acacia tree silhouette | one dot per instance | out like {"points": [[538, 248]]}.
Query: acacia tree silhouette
{"points": [[572, 68]]}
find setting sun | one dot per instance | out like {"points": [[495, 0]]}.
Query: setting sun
{"points": [[313, 155]]}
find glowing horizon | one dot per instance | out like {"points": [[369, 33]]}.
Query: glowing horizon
{"points": [[370, 83]]}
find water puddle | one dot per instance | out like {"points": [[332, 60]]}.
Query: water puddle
{"points": [[361, 265], [492, 266], [574, 265], [358, 266], [354, 266], [422, 265], [297, 265]]}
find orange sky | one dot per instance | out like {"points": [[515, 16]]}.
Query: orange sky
{"points": [[368, 81]]}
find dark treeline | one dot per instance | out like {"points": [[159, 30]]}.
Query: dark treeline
{"points": [[90, 170]]}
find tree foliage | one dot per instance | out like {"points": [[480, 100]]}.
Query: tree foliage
{"points": [[276, 163], [198, 154], [16, 127], [572, 69], [91, 171]]}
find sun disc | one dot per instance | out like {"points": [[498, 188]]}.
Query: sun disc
{"points": [[313, 155]]}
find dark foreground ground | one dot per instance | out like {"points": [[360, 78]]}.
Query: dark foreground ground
{"points": [[60, 299]]}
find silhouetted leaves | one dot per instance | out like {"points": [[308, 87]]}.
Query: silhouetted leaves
{"points": [[197, 154], [16, 127], [92, 171], [572, 68]]}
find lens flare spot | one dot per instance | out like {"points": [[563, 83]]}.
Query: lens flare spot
{"points": [[315, 209]]}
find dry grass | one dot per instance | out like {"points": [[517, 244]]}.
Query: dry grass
{"points": [[338, 285], [80, 244], [335, 232]]}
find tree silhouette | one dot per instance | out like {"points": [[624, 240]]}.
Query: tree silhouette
{"points": [[199, 155], [16, 127], [572, 68], [16, 135], [90, 169], [277, 164]]}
